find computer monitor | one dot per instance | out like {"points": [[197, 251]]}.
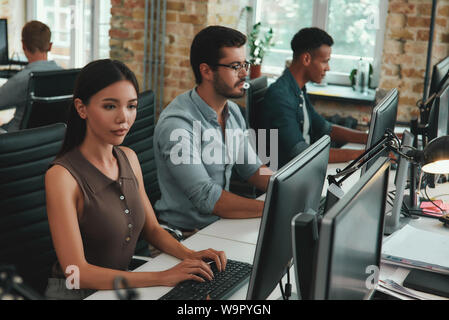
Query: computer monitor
{"points": [[393, 219], [383, 117], [439, 115], [439, 71], [4, 55], [294, 188], [350, 239]]}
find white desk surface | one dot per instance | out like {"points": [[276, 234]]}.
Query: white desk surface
{"points": [[7, 114], [241, 230]]}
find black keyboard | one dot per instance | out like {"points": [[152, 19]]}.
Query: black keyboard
{"points": [[223, 285]]}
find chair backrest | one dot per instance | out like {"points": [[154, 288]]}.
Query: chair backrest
{"points": [[25, 239], [255, 96], [49, 97], [140, 139]]}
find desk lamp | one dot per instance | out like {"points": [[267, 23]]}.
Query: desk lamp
{"points": [[433, 159], [435, 156]]}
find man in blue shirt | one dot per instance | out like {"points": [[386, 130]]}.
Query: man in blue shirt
{"points": [[200, 137], [287, 107], [36, 44]]}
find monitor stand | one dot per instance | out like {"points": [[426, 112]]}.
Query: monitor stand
{"points": [[391, 228], [393, 224], [333, 195], [305, 234], [293, 296]]}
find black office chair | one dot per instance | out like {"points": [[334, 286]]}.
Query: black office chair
{"points": [[49, 96], [25, 239], [254, 100], [140, 139]]}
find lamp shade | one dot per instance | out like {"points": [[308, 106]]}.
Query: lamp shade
{"points": [[436, 156]]}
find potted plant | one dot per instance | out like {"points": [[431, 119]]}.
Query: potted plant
{"points": [[258, 45]]}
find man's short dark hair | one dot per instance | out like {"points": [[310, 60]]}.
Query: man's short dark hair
{"points": [[36, 36], [308, 40], [207, 44]]}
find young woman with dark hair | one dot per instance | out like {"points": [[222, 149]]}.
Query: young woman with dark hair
{"points": [[96, 203]]}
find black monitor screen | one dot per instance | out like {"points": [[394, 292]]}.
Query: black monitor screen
{"points": [[350, 239], [383, 117], [438, 73], [439, 115], [296, 187], [4, 56]]}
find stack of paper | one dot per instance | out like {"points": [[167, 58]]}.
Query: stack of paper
{"points": [[415, 248]]}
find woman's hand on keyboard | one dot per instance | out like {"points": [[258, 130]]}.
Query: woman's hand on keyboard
{"points": [[188, 269], [219, 257]]}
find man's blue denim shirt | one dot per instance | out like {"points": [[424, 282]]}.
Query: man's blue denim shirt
{"points": [[281, 111], [194, 161]]}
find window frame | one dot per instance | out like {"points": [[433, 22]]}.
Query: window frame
{"points": [[320, 20], [77, 41]]}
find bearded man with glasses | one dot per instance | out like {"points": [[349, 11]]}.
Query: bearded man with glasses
{"points": [[200, 137]]}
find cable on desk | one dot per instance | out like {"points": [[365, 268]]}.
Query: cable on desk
{"points": [[286, 294], [428, 198], [426, 214], [288, 285], [282, 290]]}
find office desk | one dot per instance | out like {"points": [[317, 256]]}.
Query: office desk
{"points": [[238, 238], [398, 273], [247, 230]]}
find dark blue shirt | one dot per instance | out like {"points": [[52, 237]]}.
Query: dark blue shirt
{"points": [[282, 110]]}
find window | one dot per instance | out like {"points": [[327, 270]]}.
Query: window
{"points": [[80, 29], [357, 28]]}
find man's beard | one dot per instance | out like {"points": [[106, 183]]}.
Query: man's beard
{"points": [[225, 90]]}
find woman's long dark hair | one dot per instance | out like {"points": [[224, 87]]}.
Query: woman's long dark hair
{"points": [[93, 78]]}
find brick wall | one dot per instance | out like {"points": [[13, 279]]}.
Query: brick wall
{"points": [[183, 20], [127, 33], [4, 9], [405, 49]]}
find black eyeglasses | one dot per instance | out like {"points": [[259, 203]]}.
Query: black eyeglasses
{"points": [[236, 66]]}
